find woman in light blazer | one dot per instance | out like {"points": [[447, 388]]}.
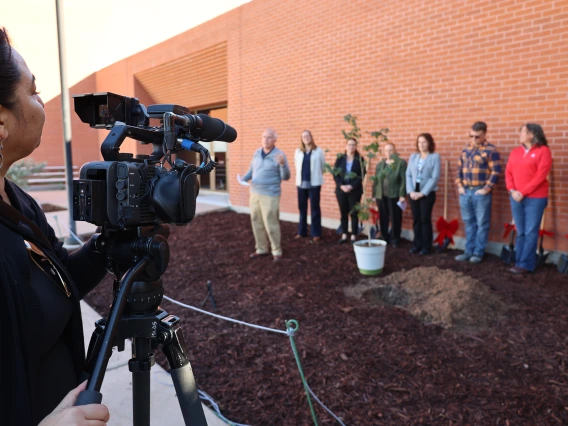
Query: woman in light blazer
{"points": [[422, 175], [309, 162]]}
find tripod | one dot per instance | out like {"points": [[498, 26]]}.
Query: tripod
{"points": [[144, 255]]}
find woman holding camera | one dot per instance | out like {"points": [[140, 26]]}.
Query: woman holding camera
{"points": [[42, 355]]}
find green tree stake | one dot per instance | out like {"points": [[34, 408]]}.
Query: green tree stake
{"points": [[292, 326]]}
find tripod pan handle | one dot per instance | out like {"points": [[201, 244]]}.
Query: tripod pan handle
{"points": [[87, 397]]}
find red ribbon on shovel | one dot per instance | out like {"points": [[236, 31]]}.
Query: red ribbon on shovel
{"points": [[545, 232], [374, 215], [509, 227], [446, 230]]}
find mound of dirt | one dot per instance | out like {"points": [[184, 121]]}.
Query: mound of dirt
{"points": [[436, 296]]}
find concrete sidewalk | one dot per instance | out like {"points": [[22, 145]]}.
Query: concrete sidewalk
{"points": [[117, 384]]}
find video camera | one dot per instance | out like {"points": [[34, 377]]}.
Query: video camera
{"points": [[124, 191]]}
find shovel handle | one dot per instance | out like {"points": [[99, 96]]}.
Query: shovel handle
{"points": [[447, 165], [540, 246]]}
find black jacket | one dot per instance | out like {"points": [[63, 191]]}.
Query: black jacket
{"points": [[20, 306], [340, 179]]}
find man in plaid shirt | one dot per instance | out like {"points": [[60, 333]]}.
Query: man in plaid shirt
{"points": [[478, 173]]}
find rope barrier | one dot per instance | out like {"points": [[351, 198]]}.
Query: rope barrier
{"points": [[292, 327], [274, 330]]}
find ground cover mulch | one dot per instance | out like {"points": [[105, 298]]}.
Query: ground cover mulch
{"points": [[50, 208], [370, 363]]}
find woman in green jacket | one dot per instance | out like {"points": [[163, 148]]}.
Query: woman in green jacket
{"points": [[389, 190]]}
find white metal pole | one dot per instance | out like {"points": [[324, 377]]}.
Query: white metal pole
{"points": [[66, 112]]}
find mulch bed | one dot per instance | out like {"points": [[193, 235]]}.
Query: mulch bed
{"points": [[370, 364], [50, 208]]}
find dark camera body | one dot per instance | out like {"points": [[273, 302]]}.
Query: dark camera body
{"points": [[123, 194], [124, 191]]}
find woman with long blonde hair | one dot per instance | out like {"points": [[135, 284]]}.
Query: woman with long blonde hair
{"points": [[309, 162]]}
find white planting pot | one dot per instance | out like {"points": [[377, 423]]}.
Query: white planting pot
{"points": [[370, 260]]}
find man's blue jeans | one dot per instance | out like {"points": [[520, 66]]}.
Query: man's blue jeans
{"points": [[476, 214], [527, 215]]}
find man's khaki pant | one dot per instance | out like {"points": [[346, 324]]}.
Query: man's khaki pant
{"points": [[264, 217]]}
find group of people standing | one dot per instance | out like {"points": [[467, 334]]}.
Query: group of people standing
{"points": [[479, 169]]}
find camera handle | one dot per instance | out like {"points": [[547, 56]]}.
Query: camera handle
{"points": [[148, 326]]}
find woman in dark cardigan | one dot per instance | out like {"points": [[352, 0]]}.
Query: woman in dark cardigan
{"points": [[42, 351], [349, 188], [389, 189]]}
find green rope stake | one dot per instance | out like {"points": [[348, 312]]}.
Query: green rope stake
{"points": [[292, 326]]}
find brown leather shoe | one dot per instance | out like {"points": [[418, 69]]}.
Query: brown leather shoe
{"points": [[316, 239], [255, 255], [297, 236], [519, 271], [277, 258]]}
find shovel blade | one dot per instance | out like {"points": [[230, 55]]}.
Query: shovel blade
{"points": [[508, 255], [563, 264], [541, 258]]}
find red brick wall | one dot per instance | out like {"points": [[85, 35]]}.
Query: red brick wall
{"points": [[412, 66]]}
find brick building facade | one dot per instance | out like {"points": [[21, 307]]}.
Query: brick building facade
{"points": [[412, 66]]}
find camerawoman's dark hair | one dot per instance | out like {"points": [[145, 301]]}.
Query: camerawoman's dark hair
{"points": [[538, 134], [9, 72]]}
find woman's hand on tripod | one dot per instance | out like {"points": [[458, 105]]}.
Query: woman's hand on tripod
{"points": [[86, 415]]}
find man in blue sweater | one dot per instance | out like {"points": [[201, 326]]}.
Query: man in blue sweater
{"points": [[268, 168]]}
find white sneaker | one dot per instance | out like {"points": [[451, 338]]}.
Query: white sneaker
{"points": [[462, 257]]}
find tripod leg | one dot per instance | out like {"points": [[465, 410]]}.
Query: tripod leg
{"points": [[140, 365], [181, 372], [186, 391]]}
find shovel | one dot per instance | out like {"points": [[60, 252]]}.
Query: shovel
{"points": [[446, 230], [541, 254], [508, 251], [563, 262], [375, 219]]}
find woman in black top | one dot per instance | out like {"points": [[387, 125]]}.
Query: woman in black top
{"points": [[42, 346], [349, 188]]}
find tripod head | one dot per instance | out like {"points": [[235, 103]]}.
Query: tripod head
{"points": [[124, 248]]}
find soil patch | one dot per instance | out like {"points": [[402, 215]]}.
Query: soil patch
{"points": [[371, 365], [435, 296]]}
